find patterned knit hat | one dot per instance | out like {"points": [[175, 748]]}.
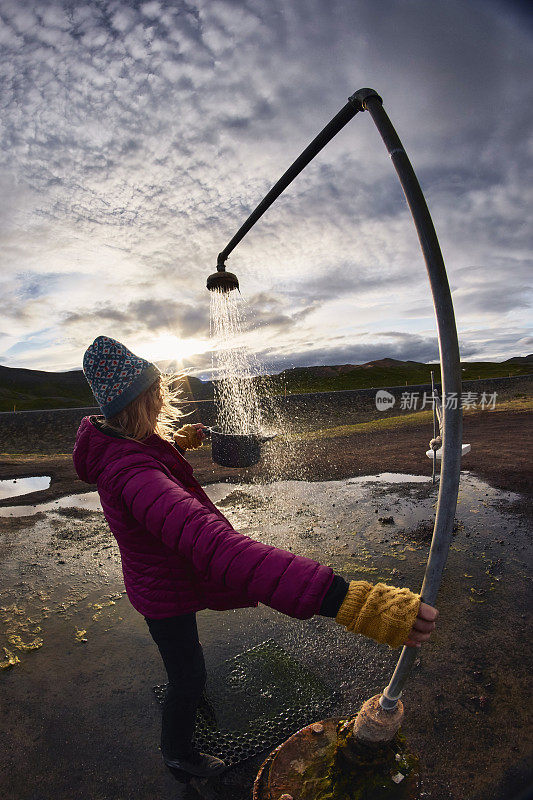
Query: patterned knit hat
{"points": [[115, 375]]}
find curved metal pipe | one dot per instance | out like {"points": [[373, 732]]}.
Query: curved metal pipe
{"points": [[451, 383], [369, 100], [338, 122]]}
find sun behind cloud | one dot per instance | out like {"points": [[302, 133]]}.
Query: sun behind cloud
{"points": [[168, 347]]}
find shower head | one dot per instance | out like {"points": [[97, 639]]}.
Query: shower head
{"points": [[222, 281]]}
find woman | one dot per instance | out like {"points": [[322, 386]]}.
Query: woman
{"points": [[180, 554]]}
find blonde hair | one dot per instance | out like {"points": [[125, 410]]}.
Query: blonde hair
{"points": [[153, 411]]}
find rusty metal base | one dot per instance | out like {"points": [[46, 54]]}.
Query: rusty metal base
{"points": [[281, 776]]}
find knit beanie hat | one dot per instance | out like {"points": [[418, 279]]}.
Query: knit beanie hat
{"points": [[116, 375]]}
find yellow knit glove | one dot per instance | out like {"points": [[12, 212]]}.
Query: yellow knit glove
{"points": [[381, 612], [188, 438]]}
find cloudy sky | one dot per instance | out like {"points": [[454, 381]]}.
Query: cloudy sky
{"points": [[137, 136]]}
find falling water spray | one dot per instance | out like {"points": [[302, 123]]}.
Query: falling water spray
{"points": [[235, 367]]}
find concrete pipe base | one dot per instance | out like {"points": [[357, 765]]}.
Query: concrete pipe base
{"points": [[374, 725], [310, 765]]}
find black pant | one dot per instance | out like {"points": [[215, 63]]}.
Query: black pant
{"points": [[180, 648]]}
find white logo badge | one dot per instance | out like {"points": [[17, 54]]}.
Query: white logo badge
{"points": [[384, 400]]}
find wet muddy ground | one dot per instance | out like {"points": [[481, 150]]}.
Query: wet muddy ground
{"points": [[80, 719]]}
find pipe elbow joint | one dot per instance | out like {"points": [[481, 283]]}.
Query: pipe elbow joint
{"points": [[359, 98]]}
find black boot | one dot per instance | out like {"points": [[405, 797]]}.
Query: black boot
{"points": [[199, 764]]}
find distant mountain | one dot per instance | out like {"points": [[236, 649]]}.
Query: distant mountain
{"points": [[195, 389], [27, 389], [519, 360], [344, 369], [32, 388], [24, 389], [386, 372], [192, 388]]}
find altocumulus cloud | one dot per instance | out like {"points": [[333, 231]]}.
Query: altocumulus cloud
{"points": [[137, 136]]}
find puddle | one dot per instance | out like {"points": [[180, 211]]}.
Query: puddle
{"points": [[90, 501], [376, 510], [391, 477], [18, 486], [218, 492]]}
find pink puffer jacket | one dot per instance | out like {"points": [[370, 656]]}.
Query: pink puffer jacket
{"points": [[179, 553]]}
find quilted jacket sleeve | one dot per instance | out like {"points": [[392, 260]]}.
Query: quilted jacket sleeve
{"points": [[292, 584]]}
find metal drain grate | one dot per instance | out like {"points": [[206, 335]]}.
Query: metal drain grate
{"points": [[256, 700]]}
